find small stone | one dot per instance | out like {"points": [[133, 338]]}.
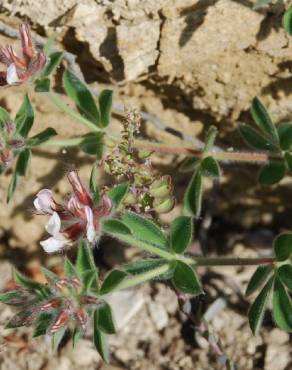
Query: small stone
{"points": [[84, 354], [158, 315]]}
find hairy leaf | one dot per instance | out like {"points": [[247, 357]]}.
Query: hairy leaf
{"points": [[272, 173], [185, 279], [181, 233], [263, 119], [283, 246], [112, 280], [105, 106], [282, 306], [104, 319], [258, 279]]}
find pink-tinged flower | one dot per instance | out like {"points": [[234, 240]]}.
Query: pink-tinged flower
{"points": [[76, 218], [20, 69]]}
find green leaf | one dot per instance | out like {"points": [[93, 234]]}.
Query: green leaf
{"points": [[285, 135], [57, 338], [12, 186], [42, 85], [283, 246], [189, 164], [141, 266], [145, 230], [22, 318], [105, 106], [26, 282], [76, 336], [282, 306], [22, 162], [193, 196], [210, 139], [85, 260], [42, 137], [94, 191], [210, 167], [100, 341], [81, 96], [254, 139], [263, 119], [115, 227], [93, 144], [8, 296], [69, 268], [258, 279], [104, 319], [112, 280], [4, 115], [117, 193], [43, 324], [185, 279], [257, 309], [24, 117], [285, 275], [272, 173], [181, 233], [54, 60], [287, 21], [88, 279]]}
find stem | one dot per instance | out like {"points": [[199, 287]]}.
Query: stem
{"points": [[71, 112], [221, 156], [146, 276], [63, 142], [197, 261]]}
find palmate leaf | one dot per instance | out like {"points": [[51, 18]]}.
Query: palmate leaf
{"points": [[100, 340], [254, 139], [141, 266], [93, 144], [257, 309], [41, 137], [145, 230], [81, 96], [282, 306], [115, 227], [285, 135], [285, 275], [210, 167], [181, 233]]}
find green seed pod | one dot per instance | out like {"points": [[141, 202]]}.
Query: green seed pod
{"points": [[161, 188], [163, 205]]}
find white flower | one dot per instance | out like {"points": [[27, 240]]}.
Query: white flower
{"points": [[44, 201], [57, 241]]}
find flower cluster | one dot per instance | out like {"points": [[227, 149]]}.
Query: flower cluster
{"points": [[76, 218], [20, 69], [148, 191]]}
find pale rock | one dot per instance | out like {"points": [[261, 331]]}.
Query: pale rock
{"points": [[158, 314]]}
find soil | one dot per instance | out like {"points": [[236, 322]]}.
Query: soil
{"points": [[198, 62]]}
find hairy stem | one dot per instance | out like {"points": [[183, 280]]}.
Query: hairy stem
{"points": [[146, 276], [72, 113]]}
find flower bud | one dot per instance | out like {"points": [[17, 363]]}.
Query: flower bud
{"points": [[164, 205], [161, 188], [16, 143]]}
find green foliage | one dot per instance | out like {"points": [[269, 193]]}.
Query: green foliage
{"points": [[193, 195], [94, 192], [144, 229], [104, 319], [24, 118], [112, 280], [285, 275], [255, 139], [81, 96], [100, 341], [117, 194], [185, 279], [259, 277], [272, 173], [93, 144], [105, 106], [85, 266], [210, 167], [283, 246], [41, 137], [181, 233], [287, 21], [257, 309], [115, 227], [282, 306], [141, 266]]}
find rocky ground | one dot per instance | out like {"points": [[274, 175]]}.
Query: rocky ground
{"points": [[198, 62]]}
